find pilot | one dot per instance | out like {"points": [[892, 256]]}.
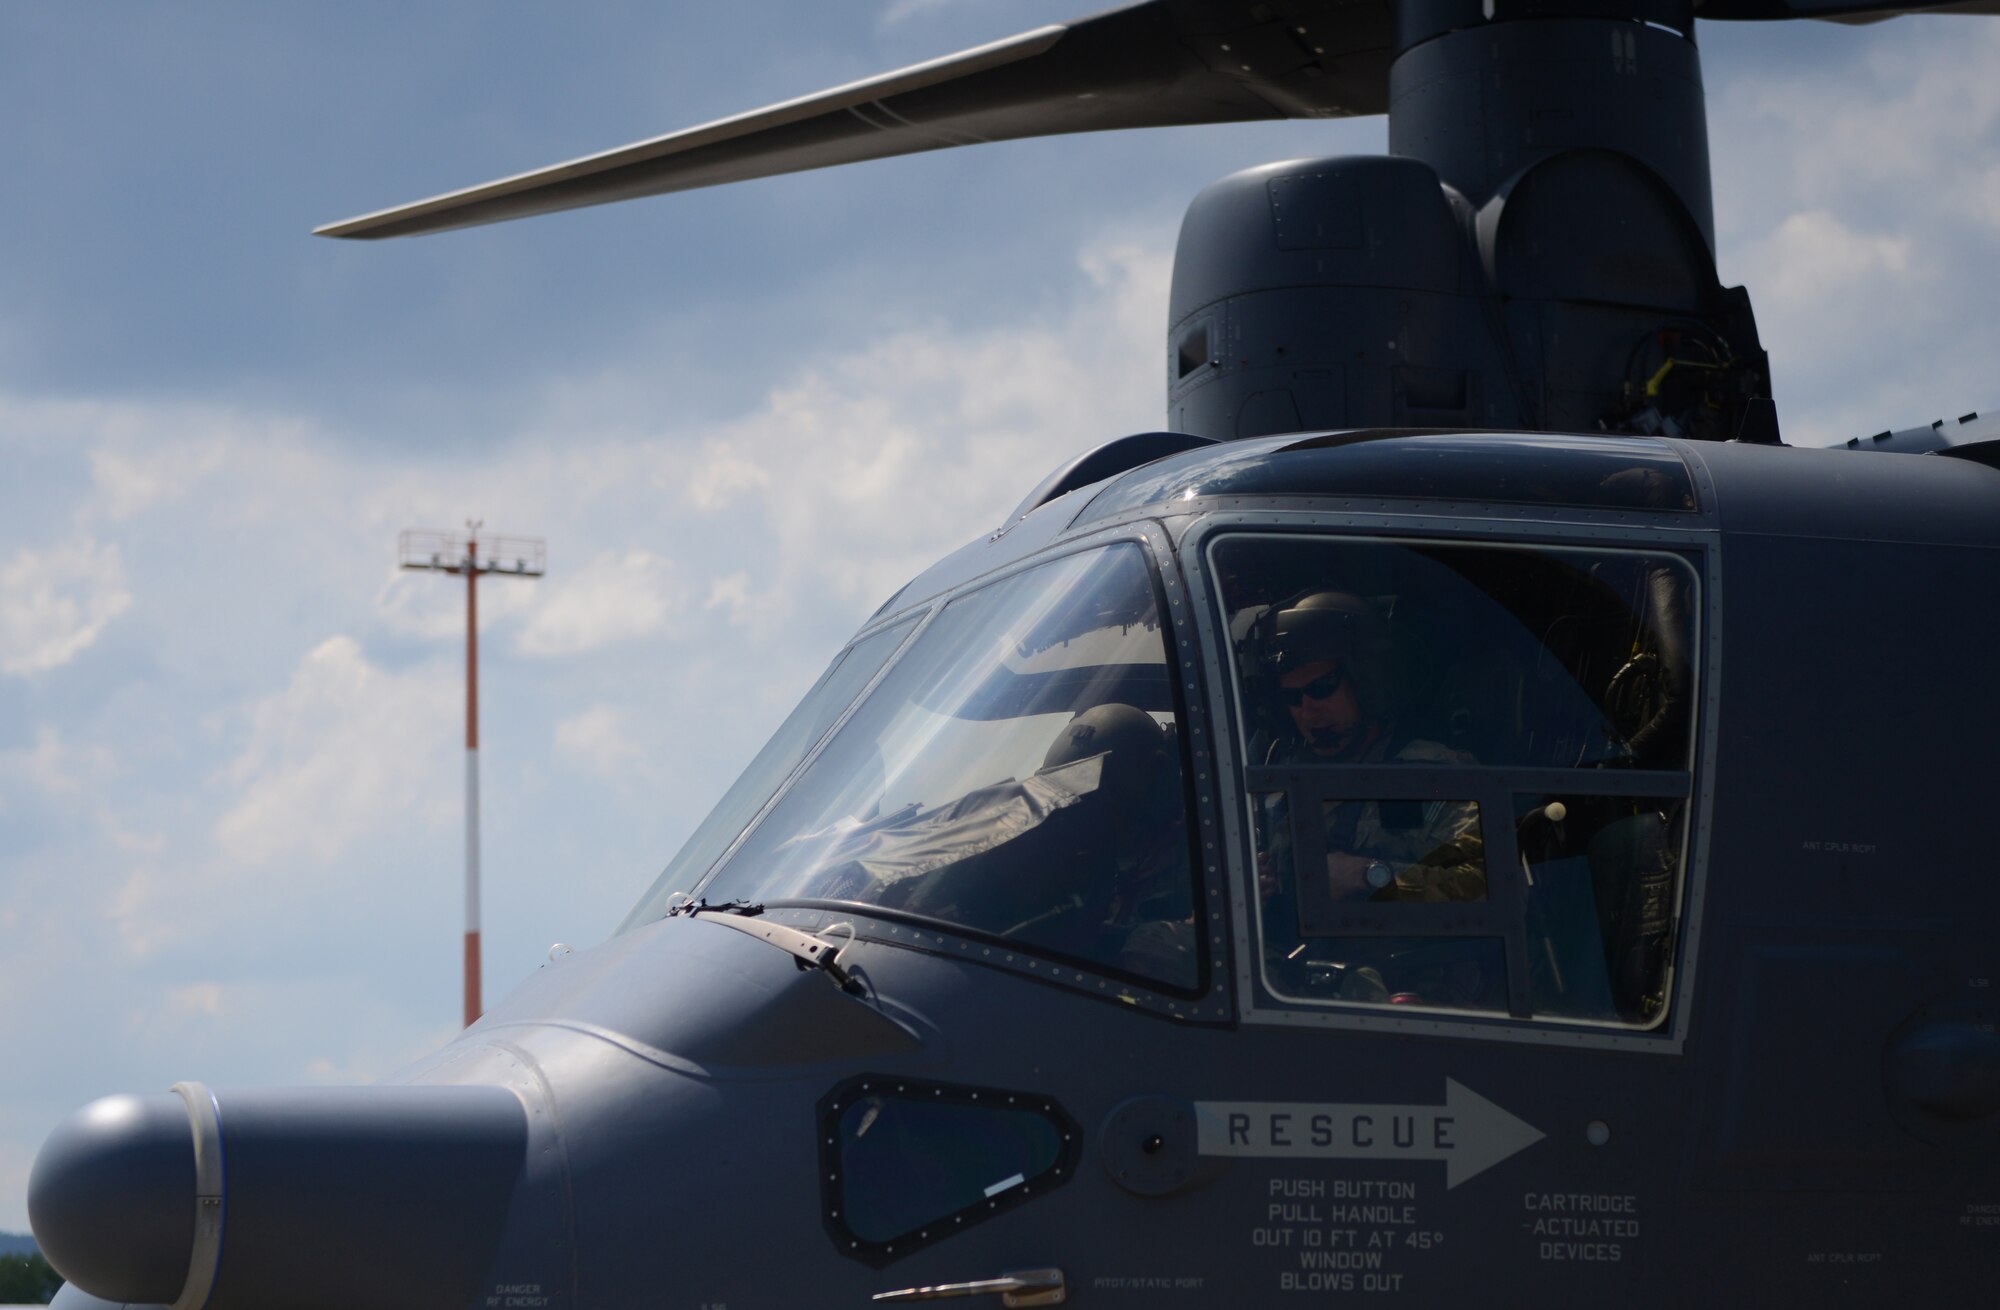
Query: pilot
{"points": [[1326, 659], [1086, 856], [1140, 896]]}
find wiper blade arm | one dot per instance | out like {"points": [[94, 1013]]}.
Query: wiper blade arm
{"points": [[748, 909], [808, 951]]}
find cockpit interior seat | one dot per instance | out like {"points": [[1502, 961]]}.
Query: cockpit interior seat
{"points": [[1633, 870]]}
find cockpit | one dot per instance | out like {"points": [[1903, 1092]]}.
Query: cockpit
{"points": [[1467, 769], [1016, 774], [1444, 774]]}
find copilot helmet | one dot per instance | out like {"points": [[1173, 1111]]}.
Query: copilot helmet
{"points": [[1340, 627], [1141, 775]]}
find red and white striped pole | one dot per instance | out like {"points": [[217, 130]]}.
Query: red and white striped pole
{"points": [[473, 1006], [451, 552]]}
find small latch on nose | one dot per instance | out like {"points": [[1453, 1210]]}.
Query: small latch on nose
{"points": [[1029, 1288]]}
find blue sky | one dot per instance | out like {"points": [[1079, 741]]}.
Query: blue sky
{"points": [[229, 730]]}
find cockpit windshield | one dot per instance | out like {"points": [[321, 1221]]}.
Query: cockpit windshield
{"points": [[1017, 773], [794, 740]]}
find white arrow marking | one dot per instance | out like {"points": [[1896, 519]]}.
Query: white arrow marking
{"points": [[1468, 1133]]}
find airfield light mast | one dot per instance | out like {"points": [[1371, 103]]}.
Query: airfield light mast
{"points": [[462, 553]]}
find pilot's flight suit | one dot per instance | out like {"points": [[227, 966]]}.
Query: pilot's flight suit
{"points": [[1434, 848]]}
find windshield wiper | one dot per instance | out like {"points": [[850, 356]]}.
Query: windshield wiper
{"points": [[748, 909], [808, 951]]}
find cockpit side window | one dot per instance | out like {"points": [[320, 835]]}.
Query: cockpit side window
{"points": [[1018, 774], [1468, 769]]}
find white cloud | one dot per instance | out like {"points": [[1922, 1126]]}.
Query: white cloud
{"points": [[886, 457], [141, 909], [320, 1069], [197, 999], [1854, 200], [595, 742], [731, 595], [854, 472], [131, 478], [378, 1051], [901, 11], [141, 455], [1980, 192], [723, 475], [1818, 279], [1900, 113], [58, 768], [344, 751], [60, 779], [1813, 250], [193, 1015], [55, 602], [611, 599], [432, 605]]}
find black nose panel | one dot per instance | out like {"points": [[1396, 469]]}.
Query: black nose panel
{"points": [[111, 1198]]}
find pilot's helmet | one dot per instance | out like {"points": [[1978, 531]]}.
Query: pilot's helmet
{"points": [[1336, 626], [1140, 773]]}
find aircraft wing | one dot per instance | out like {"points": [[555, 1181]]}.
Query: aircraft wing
{"points": [[1156, 64], [1933, 438]]}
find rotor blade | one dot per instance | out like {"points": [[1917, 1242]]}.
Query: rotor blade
{"points": [[1157, 64], [1840, 11]]}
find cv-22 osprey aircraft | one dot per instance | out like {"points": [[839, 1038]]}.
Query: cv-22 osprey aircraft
{"points": [[1465, 816]]}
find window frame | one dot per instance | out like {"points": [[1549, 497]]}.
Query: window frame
{"points": [[1493, 786], [876, 1255]]}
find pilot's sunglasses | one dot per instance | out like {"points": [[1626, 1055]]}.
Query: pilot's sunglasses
{"points": [[1318, 689]]}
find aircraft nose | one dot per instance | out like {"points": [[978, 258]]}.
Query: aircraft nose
{"points": [[112, 1198], [253, 1198]]}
